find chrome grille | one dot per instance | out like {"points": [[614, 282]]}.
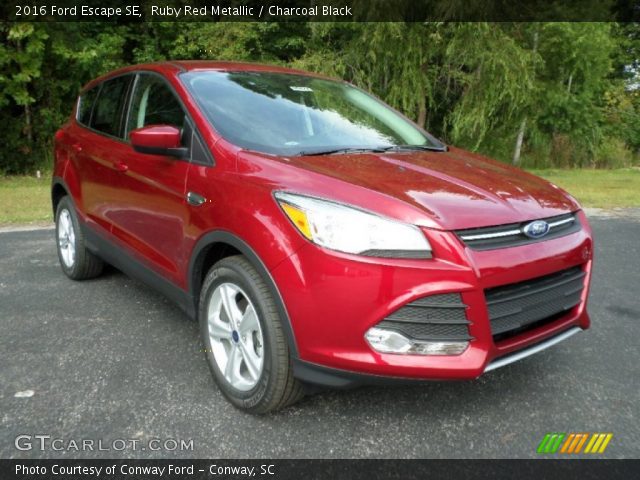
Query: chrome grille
{"points": [[512, 235]]}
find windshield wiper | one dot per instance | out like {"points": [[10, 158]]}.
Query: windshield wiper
{"points": [[382, 149], [330, 151], [401, 148]]}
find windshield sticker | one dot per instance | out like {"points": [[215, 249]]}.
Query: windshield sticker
{"points": [[300, 89]]}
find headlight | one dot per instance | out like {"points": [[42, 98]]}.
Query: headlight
{"points": [[351, 230]]}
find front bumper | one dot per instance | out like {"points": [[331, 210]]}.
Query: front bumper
{"points": [[333, 299]]}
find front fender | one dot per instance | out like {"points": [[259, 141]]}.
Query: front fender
{"points": [[228, 238]]}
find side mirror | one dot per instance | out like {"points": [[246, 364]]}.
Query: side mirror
{"points": [[158, 140]]}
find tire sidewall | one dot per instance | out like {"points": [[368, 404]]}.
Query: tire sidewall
{"points": [[230, 273], [65, 204]]}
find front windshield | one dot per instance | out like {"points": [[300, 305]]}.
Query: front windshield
{"points": [[286, 114]]}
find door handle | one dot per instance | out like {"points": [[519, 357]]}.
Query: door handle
{"points": [[195, 199], [120, 166]]}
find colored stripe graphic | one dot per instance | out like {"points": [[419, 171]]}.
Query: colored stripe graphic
{"points": [[557, 443], [551, 442], [606, 442], [543, 443], [596, 447], [591, 443], [572, 443], [581, 443], [567, 442], [600, 442]]}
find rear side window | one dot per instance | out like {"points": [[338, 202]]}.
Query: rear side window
{"points": [[107, 113], [153, 103], [85, 105]]}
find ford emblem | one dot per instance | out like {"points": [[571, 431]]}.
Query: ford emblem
{"points": [[536, 229]]}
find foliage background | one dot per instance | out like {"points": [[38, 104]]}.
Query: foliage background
{"points": [[536, 94]]}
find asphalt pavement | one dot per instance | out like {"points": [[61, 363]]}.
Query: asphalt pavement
{"points": [[111, 360]]}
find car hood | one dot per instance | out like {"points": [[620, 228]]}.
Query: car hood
{"points": [[457, 189]]}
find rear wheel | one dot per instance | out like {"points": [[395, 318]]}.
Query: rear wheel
{"points": [[245, 344], [76, 261]]}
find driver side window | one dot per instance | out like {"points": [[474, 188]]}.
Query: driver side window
{"points": [[153, 103]]}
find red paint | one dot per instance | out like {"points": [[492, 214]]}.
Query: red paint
{"points": [[155, 136], [331, 298]]}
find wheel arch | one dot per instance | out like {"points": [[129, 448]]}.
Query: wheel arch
{"points": [[58, 191], [216, 245]]}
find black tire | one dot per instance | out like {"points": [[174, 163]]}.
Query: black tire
{"points": [[86, 265], [276, 387]]}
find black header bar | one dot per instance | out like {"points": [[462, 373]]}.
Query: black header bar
{"points": [[321, 10]]}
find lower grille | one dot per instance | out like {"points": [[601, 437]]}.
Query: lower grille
{"points": [[437, 317], [525, 305]]}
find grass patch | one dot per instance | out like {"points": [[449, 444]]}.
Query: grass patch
{"points": [[598, 188], [25, 200]]}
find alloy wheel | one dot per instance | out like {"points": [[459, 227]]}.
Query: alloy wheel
{"points": [[66, 239], [235, 336]]}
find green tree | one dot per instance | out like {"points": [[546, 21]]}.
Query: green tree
{"points": [[21, 58], [542, 94]]}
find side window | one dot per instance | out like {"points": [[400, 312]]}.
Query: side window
{"points": [[107, 114], [153, 103], [85, 105]]}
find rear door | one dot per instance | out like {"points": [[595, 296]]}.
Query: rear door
{"points": [[99, 150], [151, 214]]}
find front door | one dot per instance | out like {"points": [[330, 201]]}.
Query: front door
{"points": [[151, 214]]}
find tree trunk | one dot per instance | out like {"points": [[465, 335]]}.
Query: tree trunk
{"points": [[523, 126], [422, 109], [28, 124], [519, 139], [422, 114], [28, 127]]}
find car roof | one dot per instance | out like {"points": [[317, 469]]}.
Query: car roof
{"points": [[176, 67], [199, 65]]}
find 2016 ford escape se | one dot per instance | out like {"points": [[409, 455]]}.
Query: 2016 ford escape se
{"points": [[317, 235]]}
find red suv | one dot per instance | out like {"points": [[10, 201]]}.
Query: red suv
{"points": [[319, 236]]}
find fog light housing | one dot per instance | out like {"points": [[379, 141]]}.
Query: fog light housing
{"points": [[389, 341]]}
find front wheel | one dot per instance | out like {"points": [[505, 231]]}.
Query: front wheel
{"points": [[244, 341]]}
